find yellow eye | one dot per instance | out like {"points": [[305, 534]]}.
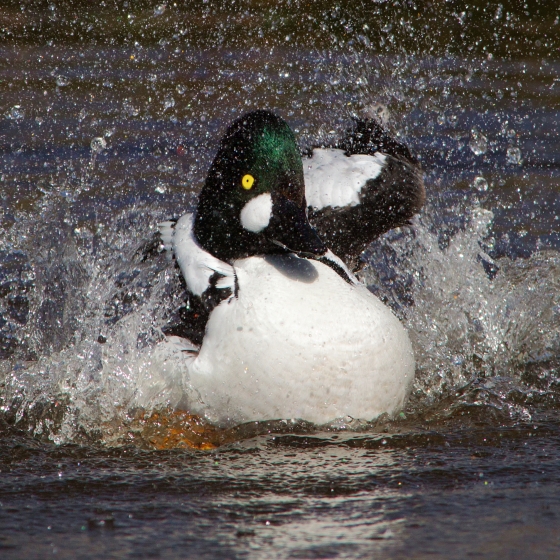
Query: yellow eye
{"points": [[247, 181]]}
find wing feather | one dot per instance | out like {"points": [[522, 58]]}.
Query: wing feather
{"points": [[208, 280], [364, 186], [197, 265]]}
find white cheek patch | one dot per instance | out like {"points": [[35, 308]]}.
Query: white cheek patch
{"points": [[256, 214]]}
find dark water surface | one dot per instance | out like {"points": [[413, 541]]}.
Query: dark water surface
{"points": [[109, 118], [490, 493]]}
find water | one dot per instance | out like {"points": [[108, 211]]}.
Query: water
{"points": [[477, 492], [109, 121]]}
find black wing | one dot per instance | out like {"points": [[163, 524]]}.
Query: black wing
{"points": [[189, 321]]}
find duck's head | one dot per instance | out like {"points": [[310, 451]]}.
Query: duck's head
{"points": [[253, 201]]}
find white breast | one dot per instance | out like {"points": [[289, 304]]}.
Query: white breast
{"points": [[334, 179], [197, 265], [299, 342]]}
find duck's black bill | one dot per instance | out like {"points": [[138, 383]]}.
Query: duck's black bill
{"points": [[289, 229]]}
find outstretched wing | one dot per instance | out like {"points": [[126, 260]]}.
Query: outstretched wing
{"points": [[208, 280], [362, 187]]}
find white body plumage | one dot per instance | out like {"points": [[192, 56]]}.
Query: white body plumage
{"points": [[299, 342]]}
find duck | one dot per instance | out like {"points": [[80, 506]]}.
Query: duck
{"points": [[276, 324]]}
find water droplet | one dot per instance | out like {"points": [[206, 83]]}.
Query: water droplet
{"points": [[130, 110], [159, 10], [168, 103], [458, 360], [15, 113], [513, 155], [62, 81], [478, 143], [378, 111], [98, 144], [480, 184]]}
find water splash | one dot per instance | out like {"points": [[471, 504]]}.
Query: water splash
{"points": [[480, 184], [93, 313], [472, 317], [89, 353], [478, 143], [83, 290], [513, 155]]}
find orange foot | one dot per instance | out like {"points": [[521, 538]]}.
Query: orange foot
{"points": [[170, 429]]}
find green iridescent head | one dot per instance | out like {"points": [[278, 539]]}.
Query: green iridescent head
{"points": [[258, 155]]}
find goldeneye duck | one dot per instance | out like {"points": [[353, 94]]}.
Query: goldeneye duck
{"points": [[276, 325]]}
